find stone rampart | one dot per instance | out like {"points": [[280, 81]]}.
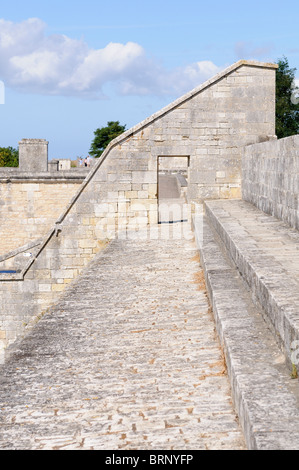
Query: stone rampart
{"points": [[209, 125], [270, 178]]}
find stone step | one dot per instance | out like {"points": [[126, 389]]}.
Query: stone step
{"points": [[266, 253], [264, 393]]}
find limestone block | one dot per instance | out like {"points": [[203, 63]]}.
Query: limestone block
{"points": [[144, 177], [44, 287], [58, 287], [202, 177], [152, 190], [142, 194]]}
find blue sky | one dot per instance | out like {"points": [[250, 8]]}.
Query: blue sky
{"points": [[68, 67]]}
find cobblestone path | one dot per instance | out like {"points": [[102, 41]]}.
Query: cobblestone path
{"points": [[128, 359]]}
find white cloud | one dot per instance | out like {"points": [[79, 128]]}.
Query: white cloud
{"points": [[18, 37], [151, 78], [31, 61], [102, 65]]}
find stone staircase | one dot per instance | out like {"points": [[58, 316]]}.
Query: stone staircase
{"points": [[250, 260]]}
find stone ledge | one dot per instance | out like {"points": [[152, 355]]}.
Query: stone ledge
{"points": [[265, 396], [264, 250], [13, 175]]}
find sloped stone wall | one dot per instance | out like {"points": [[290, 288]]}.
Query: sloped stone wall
{"points": [[210, 126]]}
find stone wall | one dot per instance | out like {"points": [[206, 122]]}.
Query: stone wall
{"points": [[209, 125], [29, 206], [174, 165], [270, 178]]}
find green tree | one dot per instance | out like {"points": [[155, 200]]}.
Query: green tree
{"points": [[287, 108], [104, 135], [9, 157]]}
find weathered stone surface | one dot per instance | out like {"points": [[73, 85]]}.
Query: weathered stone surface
{"points": [[30, 208], [265, 395], [33, 155], [270, 178], [132, 364], [265, 252]]}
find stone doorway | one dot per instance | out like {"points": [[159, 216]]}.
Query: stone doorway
{"points": [[172, 188]]}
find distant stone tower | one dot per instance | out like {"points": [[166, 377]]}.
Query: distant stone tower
{"points": [[33, 155]]}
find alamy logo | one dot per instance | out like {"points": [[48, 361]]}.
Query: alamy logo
{"points": [[2, 93]]}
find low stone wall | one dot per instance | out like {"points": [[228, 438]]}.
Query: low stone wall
{"points": [[270, 178], [30, 204]]}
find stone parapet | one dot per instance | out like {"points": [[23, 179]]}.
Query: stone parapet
{"points": [[265, 252], [270, 178], [15, 175], [264, 394]]}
